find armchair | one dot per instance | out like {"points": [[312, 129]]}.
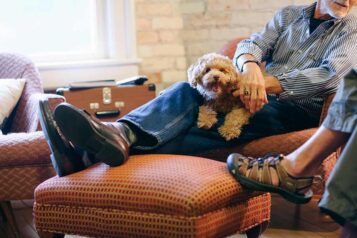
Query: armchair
{"points": [[24, 154]]}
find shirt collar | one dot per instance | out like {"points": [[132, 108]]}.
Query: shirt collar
{"points": [[309, 11]]}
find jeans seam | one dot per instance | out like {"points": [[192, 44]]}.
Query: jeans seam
{"points": [[176, 120], [163, 131]]}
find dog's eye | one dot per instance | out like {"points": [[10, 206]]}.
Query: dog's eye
{"points": [[207, 70], [222, 70]]}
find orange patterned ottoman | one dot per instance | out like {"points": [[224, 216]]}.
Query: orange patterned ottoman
{"points": [[150, 196]]}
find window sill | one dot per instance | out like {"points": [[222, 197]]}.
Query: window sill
{"points": [[60, 74]]}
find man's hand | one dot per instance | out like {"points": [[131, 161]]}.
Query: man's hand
{"points": [[252, 90]]}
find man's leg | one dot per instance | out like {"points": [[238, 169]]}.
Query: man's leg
{"points": [[306, 159], [149, 126], [275, 118], [340, 196]]}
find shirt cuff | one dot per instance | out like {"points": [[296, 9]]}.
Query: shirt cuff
{"points": [[247, 47], [340, 118], [287, 86]]}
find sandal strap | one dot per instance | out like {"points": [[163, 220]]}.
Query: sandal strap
{"points": [[288, 181], [260, 170]]}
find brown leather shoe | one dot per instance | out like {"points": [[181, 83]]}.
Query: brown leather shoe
{"points": [[63, 156], [91, 135]]}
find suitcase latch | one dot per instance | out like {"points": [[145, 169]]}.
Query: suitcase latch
{"points": [[107, 95]]}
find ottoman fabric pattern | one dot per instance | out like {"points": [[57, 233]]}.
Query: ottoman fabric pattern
{"points": [[151, 196]]}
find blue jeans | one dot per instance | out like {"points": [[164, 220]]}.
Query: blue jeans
{"points": [[167, 124]]}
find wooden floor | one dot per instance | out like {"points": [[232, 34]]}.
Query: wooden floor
{"points": [[287, 221]]}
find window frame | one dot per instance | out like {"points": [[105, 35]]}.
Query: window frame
{"points": [[117, 21]]}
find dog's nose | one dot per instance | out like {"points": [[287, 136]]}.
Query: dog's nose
{"points": [[216, 78]]}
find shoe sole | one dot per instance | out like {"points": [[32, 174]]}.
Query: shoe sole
{"points": [[76, 126], [257, 186]]}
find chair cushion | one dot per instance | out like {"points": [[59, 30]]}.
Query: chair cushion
{"points": [[10, 93], [150, 195]]}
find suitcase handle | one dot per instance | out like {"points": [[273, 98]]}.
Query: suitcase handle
{"points": [[101, 114]]}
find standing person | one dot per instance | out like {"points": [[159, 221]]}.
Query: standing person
{"points": [[307, 49], [291, 176]]}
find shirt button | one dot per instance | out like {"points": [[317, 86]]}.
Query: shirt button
{"points": [[285, 67], [299, 51], [291, 92]]}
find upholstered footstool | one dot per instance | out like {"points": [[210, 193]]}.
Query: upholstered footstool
{"points": [[150, 196]]}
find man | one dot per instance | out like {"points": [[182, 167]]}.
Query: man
{"points": [[306, 49], [291, 176]]}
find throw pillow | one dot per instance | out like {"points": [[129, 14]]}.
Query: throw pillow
{"points": [[10, 93]]}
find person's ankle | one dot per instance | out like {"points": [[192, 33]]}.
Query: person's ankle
{"points": [[291, 166], [295, 168], [124, 130]]}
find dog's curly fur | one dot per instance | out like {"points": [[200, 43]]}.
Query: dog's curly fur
{"points": [[215, 78]]}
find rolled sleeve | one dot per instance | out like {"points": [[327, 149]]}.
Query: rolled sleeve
{"points": [[342, 113], [248, 47]]}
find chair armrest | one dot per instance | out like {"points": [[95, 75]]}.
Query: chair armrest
{"points": [[24, 149], [31, 120], [282, 143]]}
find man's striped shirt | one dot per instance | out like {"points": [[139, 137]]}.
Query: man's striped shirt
{"points": [[308, 66]]}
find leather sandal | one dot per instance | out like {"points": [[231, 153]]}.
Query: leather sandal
{"points": [[259, 178]]}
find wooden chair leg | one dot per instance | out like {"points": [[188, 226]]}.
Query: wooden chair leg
{"points": [[49, 235], [256, 231], [9, 217]]}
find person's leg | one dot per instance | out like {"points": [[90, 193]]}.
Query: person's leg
{"points": [[275, 118], [165, 117], [286, 175], [340, 196], [290, 175], [150, 125], [307, 158]]}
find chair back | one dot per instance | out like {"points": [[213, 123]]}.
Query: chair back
{"points": [[18, 66], [230, 47]]}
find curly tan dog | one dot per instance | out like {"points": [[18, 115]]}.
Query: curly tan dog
{"points": [[215, 78]]}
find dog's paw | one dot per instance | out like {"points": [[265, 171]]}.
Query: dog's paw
{"points": [[206, 117], [228, 132], [206, 122]]}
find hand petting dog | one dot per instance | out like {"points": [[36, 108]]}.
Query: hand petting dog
{"points": [[216, 78]]}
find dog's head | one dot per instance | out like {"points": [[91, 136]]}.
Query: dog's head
{"points": [[213, 75]]}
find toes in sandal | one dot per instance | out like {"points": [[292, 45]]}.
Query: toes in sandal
{"points": [[296, 190]]}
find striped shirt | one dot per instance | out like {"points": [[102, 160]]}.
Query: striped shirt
{"points": [[308, 66]]}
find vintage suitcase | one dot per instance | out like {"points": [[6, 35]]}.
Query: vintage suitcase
{"points": [[109, 103]]}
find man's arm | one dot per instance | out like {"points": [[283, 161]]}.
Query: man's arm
{"points": [[272, 85], [249, 53]]}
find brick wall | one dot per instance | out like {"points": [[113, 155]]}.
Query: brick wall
{"points": [[171, 34]]}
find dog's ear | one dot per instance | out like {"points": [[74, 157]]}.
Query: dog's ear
{"points": [[196, 70], [191, 75], [234, 76]]}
